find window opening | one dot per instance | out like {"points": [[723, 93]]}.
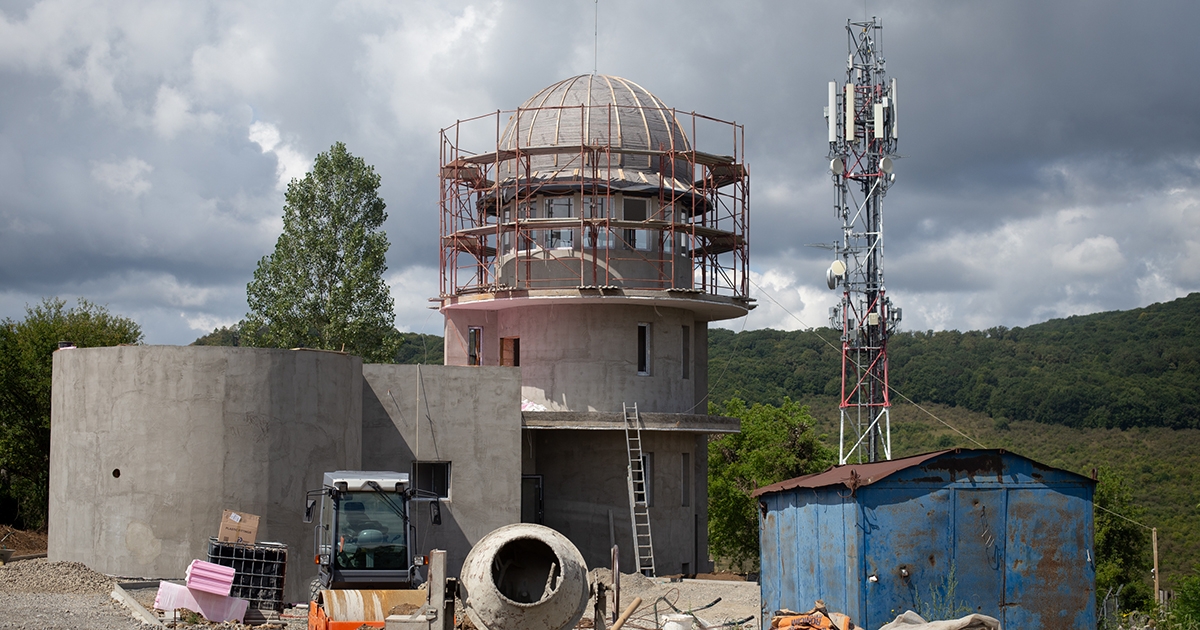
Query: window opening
{"points": [[432, 480], [529, 238], [636, 210], [643, 349], [598, 236], [560, 208], [685, 481], [687, 352], [506, 234], [510, 351], [597, 207], [667, 237], [474, 345]]}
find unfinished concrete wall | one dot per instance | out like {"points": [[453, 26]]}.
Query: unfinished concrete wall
{"points": [[467, 416], [580, 357], [150, 443], [587, 498]]}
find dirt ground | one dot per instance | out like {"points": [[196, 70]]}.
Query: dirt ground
{"points": [[23, 542], [713, 599], [37, 594]]}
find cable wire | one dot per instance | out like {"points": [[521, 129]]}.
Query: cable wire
{"points": [[915, 404], [890, 388], [1101, 507]]}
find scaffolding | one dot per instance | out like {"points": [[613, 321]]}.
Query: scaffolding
{"points": [[521, 214]]}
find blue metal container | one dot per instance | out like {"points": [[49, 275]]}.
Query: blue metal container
{"points": [[874, 540]]}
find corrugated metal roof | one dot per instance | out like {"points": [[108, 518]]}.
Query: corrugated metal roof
{"points": [[853, 476]]}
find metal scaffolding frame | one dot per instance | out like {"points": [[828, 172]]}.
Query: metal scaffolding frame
{"points": [[863, 137], [695, 240]]}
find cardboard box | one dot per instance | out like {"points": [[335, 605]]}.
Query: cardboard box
{"points": [[238, 527]]}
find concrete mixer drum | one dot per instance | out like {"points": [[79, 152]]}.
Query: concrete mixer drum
{"points": [[526, 577]]}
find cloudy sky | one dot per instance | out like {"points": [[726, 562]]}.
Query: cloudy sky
{"points": [[1051, 151]]}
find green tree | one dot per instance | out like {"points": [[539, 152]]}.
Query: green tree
{"points": [[775, 443], [323, 286], [223, 336], [1187, 597], [26, 360], [1122, 545]]}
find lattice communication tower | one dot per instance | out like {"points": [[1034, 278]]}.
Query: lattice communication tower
{"points": [[861, 117]]}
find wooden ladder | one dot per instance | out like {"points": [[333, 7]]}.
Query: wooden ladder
{"points": [[639, 509]]}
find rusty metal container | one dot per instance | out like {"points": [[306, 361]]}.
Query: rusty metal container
{"points": [[1013, 537]]}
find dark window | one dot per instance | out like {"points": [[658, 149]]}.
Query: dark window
{"points": [[687, 352], [474, 346], [510, 351], [432, 479], [643, 349], [636, 210], [685, 481]]}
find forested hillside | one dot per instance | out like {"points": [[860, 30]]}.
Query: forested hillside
{"points": [[1122, 387], [1138, 368]]}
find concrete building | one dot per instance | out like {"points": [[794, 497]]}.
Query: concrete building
{"points": [[148, 444], [457, 431], [591, 245], [585, 254]]}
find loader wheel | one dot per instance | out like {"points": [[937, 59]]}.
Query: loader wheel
{"points": [[314, 590]]}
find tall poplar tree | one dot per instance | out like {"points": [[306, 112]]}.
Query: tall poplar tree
{"points": [[323, 286]]}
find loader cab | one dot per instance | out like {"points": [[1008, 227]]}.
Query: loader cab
{"points": [[362, 535]]}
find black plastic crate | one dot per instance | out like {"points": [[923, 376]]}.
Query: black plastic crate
{"points": [[258, 570]]}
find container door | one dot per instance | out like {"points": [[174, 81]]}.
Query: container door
{"points": [[907, 534], [1049, 577], [979, 551]]}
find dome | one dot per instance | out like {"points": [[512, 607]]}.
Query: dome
{"points": [[598, 111]]}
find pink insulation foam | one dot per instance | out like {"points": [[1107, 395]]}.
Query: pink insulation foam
{"points": [[209, 577], [213, 607]]}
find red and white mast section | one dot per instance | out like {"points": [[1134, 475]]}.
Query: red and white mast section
{"points": [[862, 148]]}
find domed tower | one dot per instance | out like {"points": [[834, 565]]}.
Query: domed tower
{"points": [[587, 240]]}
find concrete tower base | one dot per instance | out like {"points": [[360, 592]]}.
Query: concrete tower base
{"points": [[150, 443]]}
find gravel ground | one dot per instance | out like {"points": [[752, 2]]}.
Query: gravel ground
{"points": [[45, 611], [40, 576], [35, 595], [738, 599], [41, 595]]}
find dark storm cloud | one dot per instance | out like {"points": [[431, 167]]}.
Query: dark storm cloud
{"points": [[1049, 150]]}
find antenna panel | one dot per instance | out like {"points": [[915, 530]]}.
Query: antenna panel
{"points": [[832, 111], [849, 111]]}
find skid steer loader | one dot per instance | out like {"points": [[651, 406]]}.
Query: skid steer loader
{"points": [[366, 570]]}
